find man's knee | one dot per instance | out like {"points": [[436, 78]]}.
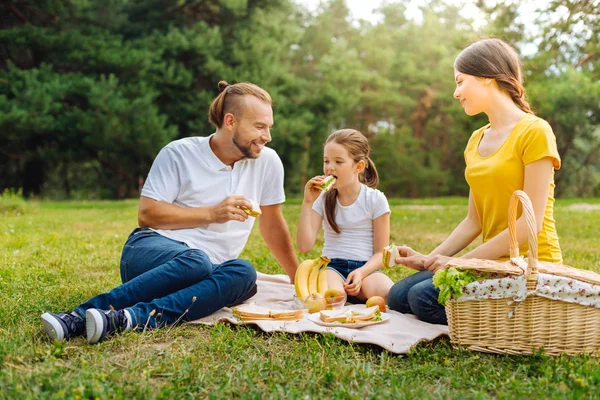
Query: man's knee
{"points": [[194, 259], [246, 271]]}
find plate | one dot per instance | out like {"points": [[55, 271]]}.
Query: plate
{"points": [[316, 318]]}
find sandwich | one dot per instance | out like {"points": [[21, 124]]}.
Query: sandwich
{"points": [[390, 253], [345, 316], [252, 312], [254, 211], [327, 183]]}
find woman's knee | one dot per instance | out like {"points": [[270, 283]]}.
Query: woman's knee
{"points": [[397, 297], [423, 302]]}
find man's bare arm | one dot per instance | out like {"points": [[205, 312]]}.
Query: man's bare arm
{"points": [[276, 234], [163, 215]]}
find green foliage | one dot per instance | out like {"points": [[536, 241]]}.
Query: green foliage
{"points": [[12, 202]]}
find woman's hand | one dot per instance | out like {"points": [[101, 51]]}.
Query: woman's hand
{"points": [[436, 262], [354, 282], [312, 190], [411, 258]]}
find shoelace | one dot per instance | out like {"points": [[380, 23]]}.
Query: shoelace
{"points": [[74, 323], [117, 321]]}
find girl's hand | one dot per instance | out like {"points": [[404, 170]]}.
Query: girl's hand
{"points": [[354, 282], [436, 262], [312, 190], [411, 258]]}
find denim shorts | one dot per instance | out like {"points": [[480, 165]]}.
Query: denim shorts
{"points": [[343, 268]]}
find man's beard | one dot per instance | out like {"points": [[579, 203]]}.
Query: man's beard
{"points": [[245, 150]]}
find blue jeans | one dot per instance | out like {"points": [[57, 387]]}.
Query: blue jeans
{"points": [[174, 280], [416, 295]]}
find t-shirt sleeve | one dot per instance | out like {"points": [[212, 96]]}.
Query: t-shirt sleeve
{"points": [[273, 192], [380, 205], [538, 142], [319, 205], [163, 179]]}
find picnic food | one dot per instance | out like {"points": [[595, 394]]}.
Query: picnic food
{"points": [[390, 253], [376, 301], [351, 316], [333, 293], [327, 183], [254, 211], [311, 277], [335, 298], [252, 312], [315, 303]]}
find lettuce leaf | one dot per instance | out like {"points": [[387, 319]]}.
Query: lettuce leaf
{"points": [[451, 282]]}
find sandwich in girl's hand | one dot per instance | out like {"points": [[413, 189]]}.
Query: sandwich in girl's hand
{"points": [[390, 253], [327, 183], [254, 211]]}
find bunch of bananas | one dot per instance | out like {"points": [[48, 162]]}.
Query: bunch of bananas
{"points": [[311, 277]]}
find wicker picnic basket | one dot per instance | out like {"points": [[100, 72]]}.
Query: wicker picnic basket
{"points": [[501, 326]]}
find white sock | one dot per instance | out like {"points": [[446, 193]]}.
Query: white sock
{"points": [[129, 320]]}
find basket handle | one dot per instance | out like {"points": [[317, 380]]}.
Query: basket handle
{"points": [[532, 257]]}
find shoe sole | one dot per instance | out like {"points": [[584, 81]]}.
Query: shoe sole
{"points": [[94, 325], [52, 327]]}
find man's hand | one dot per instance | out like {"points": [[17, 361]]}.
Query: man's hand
{"points": [[354, 282], [411, 258], [230, 209]]}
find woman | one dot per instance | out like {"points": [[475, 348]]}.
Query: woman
{"points": [[516, 150]]}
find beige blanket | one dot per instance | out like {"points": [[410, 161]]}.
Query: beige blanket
{"points": [[398, 334]]}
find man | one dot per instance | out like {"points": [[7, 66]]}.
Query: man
{"points": [[182, 262]]}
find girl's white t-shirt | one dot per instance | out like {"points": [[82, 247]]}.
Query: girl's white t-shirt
{"points": [[355, 240]]}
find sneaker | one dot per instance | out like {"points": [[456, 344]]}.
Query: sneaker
{"points": [[63, 326], [99, 324]]}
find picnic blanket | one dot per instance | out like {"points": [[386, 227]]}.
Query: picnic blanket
{"points": [[398, 334]]}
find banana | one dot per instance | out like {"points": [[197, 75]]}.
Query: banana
{"points": [[322, 284], [301, 278], [314, 276], [308, 275]]}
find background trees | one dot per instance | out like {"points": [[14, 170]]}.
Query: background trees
{"points": [[91, 90]]}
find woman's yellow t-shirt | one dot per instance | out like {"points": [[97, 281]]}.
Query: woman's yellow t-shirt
{"points": [[494, 178]]}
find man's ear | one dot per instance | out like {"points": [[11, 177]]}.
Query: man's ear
{"points": [[229, 121]]}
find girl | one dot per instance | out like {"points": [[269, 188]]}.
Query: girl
{"points": [[355, 217], [516, 150]]}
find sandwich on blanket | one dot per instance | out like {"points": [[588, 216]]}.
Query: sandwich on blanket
{"points": [[249, 312], [347, 316]]}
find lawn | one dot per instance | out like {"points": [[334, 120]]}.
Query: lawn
{"points": [[55, 255]]}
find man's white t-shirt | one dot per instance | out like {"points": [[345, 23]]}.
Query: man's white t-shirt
{"points": [[187, 173], [355, 240]]}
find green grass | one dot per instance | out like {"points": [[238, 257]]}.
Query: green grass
{"points": [[55, 255]]}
